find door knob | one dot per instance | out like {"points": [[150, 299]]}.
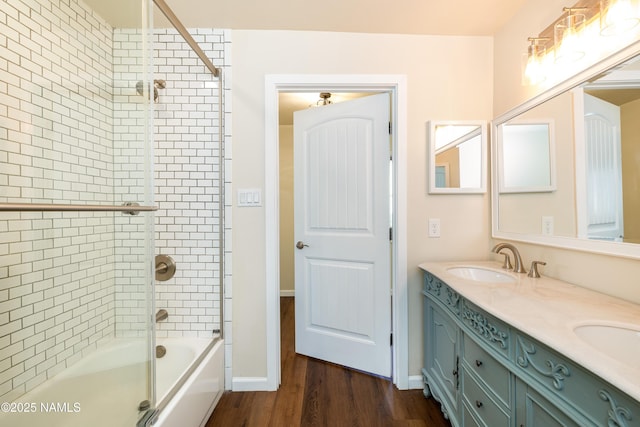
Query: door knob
{"points": [[300, 245]]}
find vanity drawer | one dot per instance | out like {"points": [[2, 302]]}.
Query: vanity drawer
{"points": [[486, 328], [480, 403], [581, 393], [469, 420], [495, 376], [440, 291]]}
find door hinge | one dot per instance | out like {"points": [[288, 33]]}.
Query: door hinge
{"points": [[391, 338], [390, 128], [391, 234]]}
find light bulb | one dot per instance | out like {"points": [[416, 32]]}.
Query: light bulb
{"points": [[618, 17], [567, 36], [534, 71]]}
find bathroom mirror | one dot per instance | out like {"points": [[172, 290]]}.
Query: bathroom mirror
{"points": [[526, 156], [593, 202], [457, 157]]}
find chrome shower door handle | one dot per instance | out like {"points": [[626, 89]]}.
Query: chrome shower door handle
{"points": [[301, 245]]}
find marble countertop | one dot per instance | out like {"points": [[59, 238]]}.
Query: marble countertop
{"points": [[548, 310]]}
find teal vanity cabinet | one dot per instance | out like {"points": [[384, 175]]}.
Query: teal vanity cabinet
{"points": [[486, 373], [533, 410], [441, 358]]}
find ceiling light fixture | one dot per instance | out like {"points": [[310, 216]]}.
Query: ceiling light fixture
{"points": [[324, 99]]}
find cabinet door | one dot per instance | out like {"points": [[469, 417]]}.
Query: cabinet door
{"points": [[442, 341], [533, 410]]}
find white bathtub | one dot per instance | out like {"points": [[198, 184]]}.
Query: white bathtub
{"points": [[106, 387], [195, 400]]}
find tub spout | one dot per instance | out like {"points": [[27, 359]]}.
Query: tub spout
{"points": [[161, 315], [160, 351]]}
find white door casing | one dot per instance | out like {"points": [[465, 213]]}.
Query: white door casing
{"points": [[341, 204], [398, 86]]}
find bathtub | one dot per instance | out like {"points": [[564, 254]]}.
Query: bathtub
{"points": [[197, 394], [105, 388]]}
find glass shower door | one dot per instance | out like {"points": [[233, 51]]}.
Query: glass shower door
{"points": [[76, 218]]}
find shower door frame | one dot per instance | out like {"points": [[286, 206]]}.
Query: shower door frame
{"points": [[397, 85]]}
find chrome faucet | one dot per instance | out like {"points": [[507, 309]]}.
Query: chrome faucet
{"points": [[533, 271], [517, 260]]}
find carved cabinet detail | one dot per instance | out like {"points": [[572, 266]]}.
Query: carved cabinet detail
{"points": [[484, 372]]}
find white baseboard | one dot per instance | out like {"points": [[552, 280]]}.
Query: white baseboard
{"points": [[250, 384], [261, 383], [416, 382], [287, 293]]}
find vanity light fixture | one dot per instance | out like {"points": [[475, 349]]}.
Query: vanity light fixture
{"points": [[618, 17], [569, 46], [581, 36], [534, 67]]}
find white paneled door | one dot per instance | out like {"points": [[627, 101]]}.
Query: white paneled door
{"points": [[603, 169], [342, 220]]}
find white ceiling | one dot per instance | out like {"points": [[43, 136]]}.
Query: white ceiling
{"points": [[434, 17], [450, 17], [430, 17]]}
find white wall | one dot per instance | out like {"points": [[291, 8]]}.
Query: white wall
{"points": [[287, 283], [448, 78], [610, 275]]}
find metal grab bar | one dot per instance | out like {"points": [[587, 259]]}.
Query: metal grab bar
{"points": [[128, 208]]}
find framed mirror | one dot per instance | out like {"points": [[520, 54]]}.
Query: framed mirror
{"points": [[457, 157], [526, 156], [594, 204]]}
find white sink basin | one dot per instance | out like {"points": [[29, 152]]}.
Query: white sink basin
{"points": [[480, 274], [620, 342]]}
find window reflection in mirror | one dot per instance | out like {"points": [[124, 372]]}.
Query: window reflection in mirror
{"points": [[527, 156], [457, 157]]}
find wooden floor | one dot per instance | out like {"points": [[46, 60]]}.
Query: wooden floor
{"points": [[317, 393]]}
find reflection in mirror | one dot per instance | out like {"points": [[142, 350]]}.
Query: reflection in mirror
{"points": [[457, 157], [526, 156], [545, 212], [609, 207], [596, 204]]}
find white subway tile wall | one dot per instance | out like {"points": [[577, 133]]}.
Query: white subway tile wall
{"points": [[56, 120], [72, 131], [188, 181]]}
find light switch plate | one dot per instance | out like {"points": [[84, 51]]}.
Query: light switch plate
{"points": [[249, 197]]}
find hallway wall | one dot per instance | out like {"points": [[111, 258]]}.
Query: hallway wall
{"points": [[440, 87]]}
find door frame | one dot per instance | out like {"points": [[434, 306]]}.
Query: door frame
{"points": [[396, 84]]}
